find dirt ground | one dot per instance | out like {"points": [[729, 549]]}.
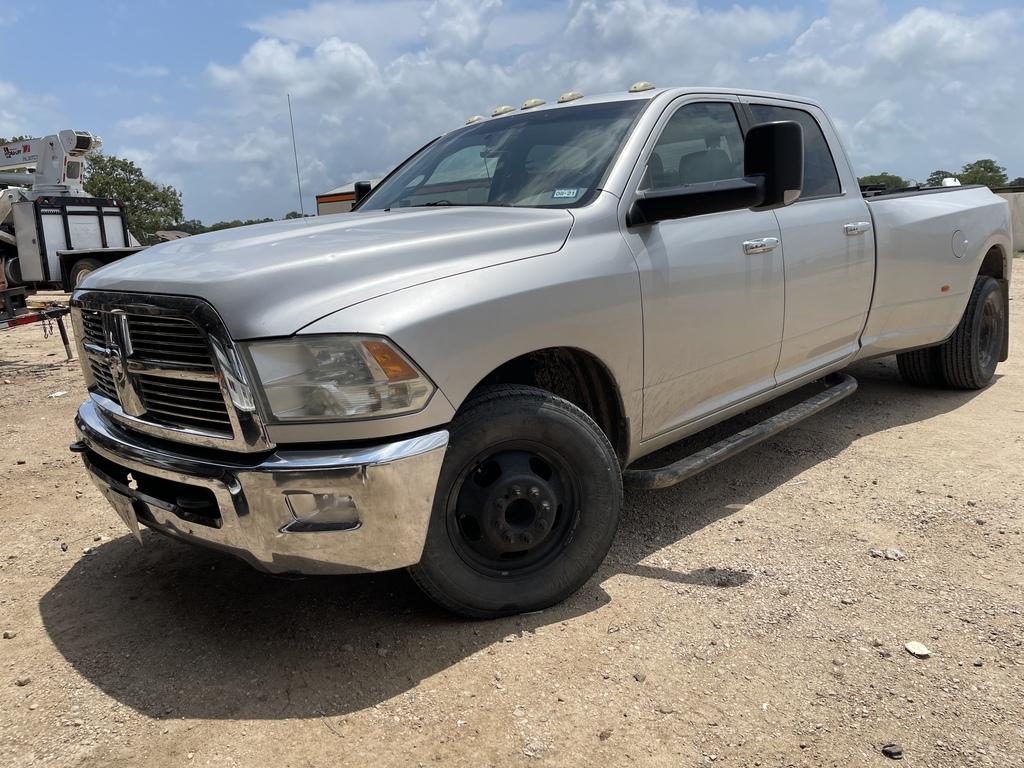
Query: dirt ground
{"points": [[740, 618]]}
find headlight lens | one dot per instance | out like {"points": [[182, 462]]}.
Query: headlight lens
{"points": [[332, 378]]}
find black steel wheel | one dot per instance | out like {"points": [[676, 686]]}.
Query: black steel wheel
{"points": [[526, 505], [512, 509]]}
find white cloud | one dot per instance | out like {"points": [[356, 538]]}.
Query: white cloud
{"points": [[143, 125], [141, 70], [357, 22], [271, 68], [26, 113], [370, 82]]}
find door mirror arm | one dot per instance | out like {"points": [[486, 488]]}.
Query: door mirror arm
{"points": [[653, 205]]}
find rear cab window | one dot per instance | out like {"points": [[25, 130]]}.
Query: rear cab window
{"points": [[821, 179]]}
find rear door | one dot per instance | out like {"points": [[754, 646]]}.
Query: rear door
{"points": [[712, 306], [828, 249]]}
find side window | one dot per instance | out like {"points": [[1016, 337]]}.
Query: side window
{"points": [[700, 142], [820, 176]]}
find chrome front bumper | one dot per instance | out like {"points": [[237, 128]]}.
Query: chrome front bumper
{"points": [[315, 512]]}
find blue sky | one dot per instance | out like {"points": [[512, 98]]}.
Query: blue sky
{"points": [[195, 92]]}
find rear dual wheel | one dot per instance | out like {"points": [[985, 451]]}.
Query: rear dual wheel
{"points": [[81, 270], [527, 505], [968, 358]]}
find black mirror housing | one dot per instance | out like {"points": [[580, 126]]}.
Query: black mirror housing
{"points": [[775, 152], [361, 189], [773, 167]]}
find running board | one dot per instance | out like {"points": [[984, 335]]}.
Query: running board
{"points": [[663, 477]]}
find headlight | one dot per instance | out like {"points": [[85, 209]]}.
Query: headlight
{"points": [[332, 378]]}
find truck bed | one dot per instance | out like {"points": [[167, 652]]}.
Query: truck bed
{"points": [[928, 245]]}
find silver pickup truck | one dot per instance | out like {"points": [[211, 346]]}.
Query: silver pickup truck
{"points": [[457, 376]]}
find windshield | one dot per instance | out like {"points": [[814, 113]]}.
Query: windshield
{"points": [[553, 158]]}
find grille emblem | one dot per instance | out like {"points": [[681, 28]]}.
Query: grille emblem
{"points": [[118, 342]]}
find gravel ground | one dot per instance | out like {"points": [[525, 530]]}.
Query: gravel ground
{"points": [[740, 619]]}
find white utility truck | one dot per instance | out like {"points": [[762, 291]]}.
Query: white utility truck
{"points": [[52, 232]]}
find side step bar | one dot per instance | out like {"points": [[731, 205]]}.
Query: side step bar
{"points": [[844, 385]]}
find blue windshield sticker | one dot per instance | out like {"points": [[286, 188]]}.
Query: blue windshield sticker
{"points": [[562, 194]]}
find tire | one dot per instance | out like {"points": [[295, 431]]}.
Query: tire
{"points": [[920, 367], [527, 505], [81, 268], [968, 359]]}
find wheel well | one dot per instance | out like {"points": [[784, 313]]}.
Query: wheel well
{"points": [[576, 376], [994, 264]]}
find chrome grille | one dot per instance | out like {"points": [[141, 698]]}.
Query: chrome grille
{"points": [[194, 403], [104, 381], [166, 364], [171, 340]]}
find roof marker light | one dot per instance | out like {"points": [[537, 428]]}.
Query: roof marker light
{"points": [[503, 109], [569, 96], [475, 119], [531, 103], [641, 85]]}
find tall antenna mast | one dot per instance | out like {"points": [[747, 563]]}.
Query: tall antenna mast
{"points": [[295, 152]]}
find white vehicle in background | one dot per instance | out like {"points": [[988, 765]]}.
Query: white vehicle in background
{"points": [[52, 232]]}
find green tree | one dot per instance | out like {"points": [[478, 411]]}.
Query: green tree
{"points": [[192, 226], [935, 178], [1018, 182], [986, 172], [890, 180], [149, 206]]}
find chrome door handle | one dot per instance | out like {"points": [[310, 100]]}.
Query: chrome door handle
{"points": [[760, 245], [857, 227]]}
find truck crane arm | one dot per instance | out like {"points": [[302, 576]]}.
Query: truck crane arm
{"points": [[57, 161]]}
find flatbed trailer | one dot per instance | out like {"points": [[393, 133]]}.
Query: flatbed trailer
{"points": [[14, 312]]}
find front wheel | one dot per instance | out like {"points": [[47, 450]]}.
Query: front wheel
{"points": [[526, 506]]}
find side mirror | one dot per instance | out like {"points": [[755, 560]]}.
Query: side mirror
{"points": [[775, 152], [773, 167], [361, 189]]}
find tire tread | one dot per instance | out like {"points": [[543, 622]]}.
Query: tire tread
{"points": [[956, 357], [920, 367]]}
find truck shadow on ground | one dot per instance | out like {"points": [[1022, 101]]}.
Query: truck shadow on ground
{"points": [[174, 631]]}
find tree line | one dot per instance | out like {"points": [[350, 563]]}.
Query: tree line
{"points": [[986, 171]]}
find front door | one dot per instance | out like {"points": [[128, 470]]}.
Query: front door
{"points": [[712, 285]]}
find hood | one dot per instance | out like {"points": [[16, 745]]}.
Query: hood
{"points": [[273, 279]]}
